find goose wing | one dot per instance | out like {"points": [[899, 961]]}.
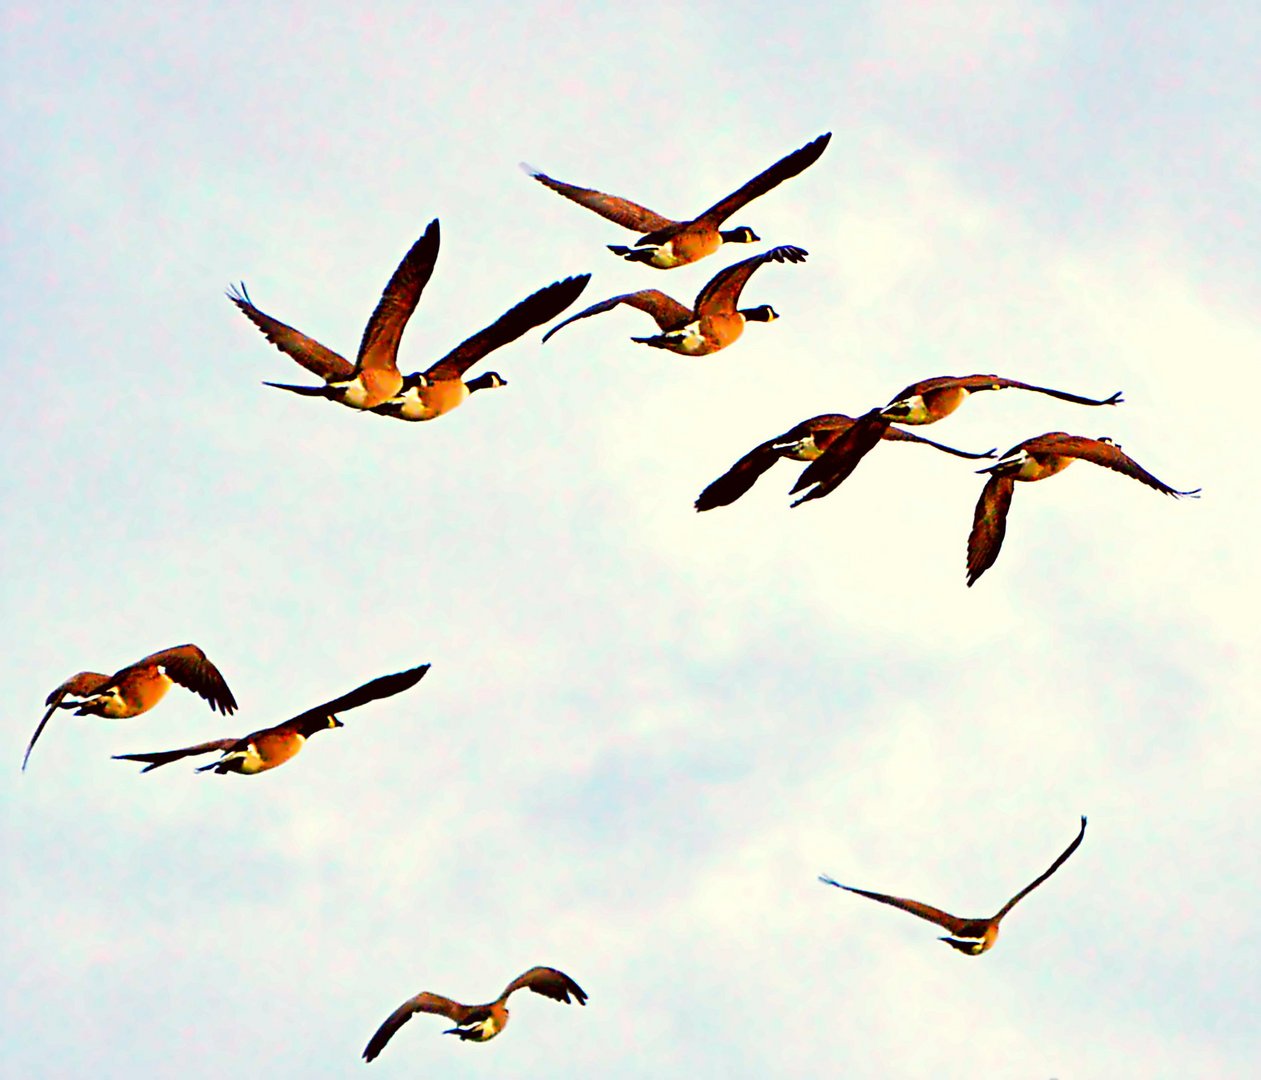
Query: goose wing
{"points": [[785, 168], [1045, 874], [549, 982], [667, 312], [188, 666], [621, 211], [379, 347], [80, 685], [534, 310], [925, 911], [989, 525], [722, 293], [165, 757], [328, 365], [385, 686], [423, 1002], [1101, 452]]}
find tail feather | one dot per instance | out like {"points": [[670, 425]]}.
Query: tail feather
{"points": [[305, 391]]}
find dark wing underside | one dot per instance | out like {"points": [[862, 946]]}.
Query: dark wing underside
{"points": [[994, 382], [667, 312], [1012, 384], [1046, 874], [534, 310], [424, 1002], [785, 168], [989, 525], [739, 478], [549, 982], [897, 434], [386, 686], [925, 911], [188, 666], [834, 465], [744, 473]]}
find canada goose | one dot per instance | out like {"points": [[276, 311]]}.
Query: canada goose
{"points": [[667, 243], [476, 1023], [374, 376], [971, 936], [714, 322], [1036, 459], [138, 687], [269, 747]]}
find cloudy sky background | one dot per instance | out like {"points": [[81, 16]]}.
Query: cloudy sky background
{"points": [[646, 731]]}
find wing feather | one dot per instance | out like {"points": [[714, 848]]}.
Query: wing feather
{"points": [[534, 310], [989, 525], [379, 347], [423, 1002], [897, 434], [549, 982], [785, 168], [739, 478], [83, 684], [1012, 384], [722, 293], [328, 365], [841, 458], [744, 473], [190, 667], [611, 207], [165, 757], [667, 312], [925, 911], [385, 686], [1045, 874], [1107, 454]]}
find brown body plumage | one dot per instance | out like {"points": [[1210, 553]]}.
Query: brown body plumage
{"points": [[970, 936], [138, 687], [476, 1023], [667, 243]]}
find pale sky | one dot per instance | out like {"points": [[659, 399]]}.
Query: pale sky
{"points": [[646, 731]]}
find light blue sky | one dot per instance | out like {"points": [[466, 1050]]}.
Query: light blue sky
{"points": [[646, 731]]}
